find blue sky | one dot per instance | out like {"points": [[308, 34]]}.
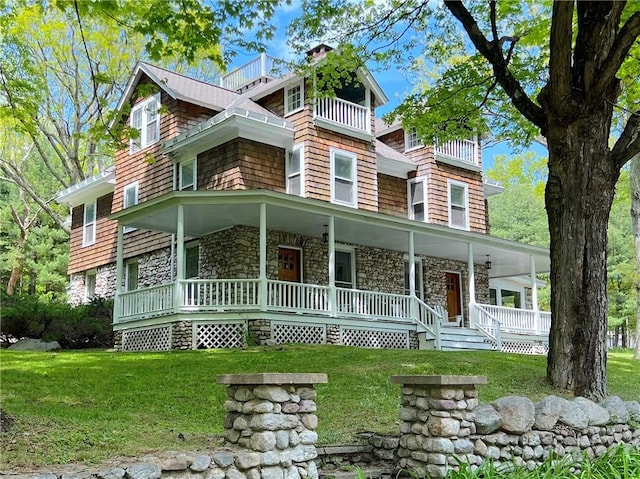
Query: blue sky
{"points": [[395, 84]]}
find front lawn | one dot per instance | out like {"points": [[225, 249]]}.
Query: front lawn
{"points": [[88, 406]]}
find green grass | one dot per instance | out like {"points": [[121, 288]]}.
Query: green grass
{"points": [[89, 406]]}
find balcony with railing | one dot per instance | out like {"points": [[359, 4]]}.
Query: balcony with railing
{"points": [[462, 153], [343, 113], [261, 69]]}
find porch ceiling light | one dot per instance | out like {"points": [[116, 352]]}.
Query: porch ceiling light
{"points": [[325, 235], [487, 264]]}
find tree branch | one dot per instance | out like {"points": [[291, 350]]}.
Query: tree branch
{"points": [[623, 42], [560, 52], [493, 53], [628, 144]]}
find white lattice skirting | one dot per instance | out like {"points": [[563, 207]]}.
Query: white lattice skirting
{"points": [[370, 338], [297, 333], [524, 347], [151, 339], [217, 335]]}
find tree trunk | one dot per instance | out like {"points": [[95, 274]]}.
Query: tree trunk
{"points": [[634, 177], [578, 198]]}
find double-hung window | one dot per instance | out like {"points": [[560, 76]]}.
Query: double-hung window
{"points": [[130, 198], [345, 268], [89, 224], [417, 200], [344, 182], [89, 285], [145, 120], [458, 205], [295, 171], [192, 261], [412, 140], [187, 175], [293, 98], [131, 276]]}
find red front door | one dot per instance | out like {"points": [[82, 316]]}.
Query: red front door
{"points": [[454, 306], [289, 265]]}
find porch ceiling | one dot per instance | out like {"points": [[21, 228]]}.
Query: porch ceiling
{"points": [[208, 212]]}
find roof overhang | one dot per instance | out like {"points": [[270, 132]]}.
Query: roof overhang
{"points": [[230, 124], [206, 212], [492, 187], [89, 189]]}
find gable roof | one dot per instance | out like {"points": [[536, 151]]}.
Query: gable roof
{"points": [[180, 87]]}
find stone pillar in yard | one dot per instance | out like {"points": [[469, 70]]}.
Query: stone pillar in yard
{"points": [[436, 422], [272, 416]]}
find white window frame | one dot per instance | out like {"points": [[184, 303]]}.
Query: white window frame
{"points": [[89, 295], [91, 223], [352, 251], [299, 148], [500, 286], [288, 110], [140, 143], [465, 186], [411, 140], [128, 229], [410, 202], [194, 181], [354, 177], [127, 274]]}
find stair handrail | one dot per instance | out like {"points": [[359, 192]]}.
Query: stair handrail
{"points": [[497, 337], [437, 318]]}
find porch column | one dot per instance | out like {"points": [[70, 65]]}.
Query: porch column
{"points": [[534, 295], [332, 268], [179, 258], [472, 285], [263, 257], [119, 272], [413, 309]]}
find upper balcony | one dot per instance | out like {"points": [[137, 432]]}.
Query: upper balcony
{"points": [[259, 70], [348, 111], [461, 153]]}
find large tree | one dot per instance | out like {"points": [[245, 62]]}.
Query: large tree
{"points": [[565, 71], [634, 177]]}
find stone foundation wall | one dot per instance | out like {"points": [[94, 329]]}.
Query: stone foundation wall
{"points": [[105, 284], [259, 332], [182, 335]]}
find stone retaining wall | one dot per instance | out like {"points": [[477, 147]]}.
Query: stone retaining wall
{"points": [[443, 423]]}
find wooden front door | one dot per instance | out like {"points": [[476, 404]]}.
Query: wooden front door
{"points": [[289, 265], [454, 306]]}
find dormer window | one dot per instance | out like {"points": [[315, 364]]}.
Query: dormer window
{"points": [[145, 119], [293, 98], [412, 140]]}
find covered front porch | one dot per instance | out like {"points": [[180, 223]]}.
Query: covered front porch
{"points": [[321, 231]]}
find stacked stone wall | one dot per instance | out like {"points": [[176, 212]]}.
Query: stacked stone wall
{"points": [[105, 284], [182, 335], [443, 424], [259, 332]]}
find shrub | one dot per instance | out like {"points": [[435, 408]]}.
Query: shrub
{"points": [[74, 327]]}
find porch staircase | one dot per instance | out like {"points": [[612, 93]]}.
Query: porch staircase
{"points": [[463, 339]]}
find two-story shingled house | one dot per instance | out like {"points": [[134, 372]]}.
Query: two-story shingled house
{"points": [[258, 210]]}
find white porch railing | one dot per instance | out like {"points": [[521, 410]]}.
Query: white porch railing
{"points": [[144, 303], [486, 323], [260, 67], [298, 297], [343, 112], [219, 294], [516, 320], [373, 305], [463, 150]]}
